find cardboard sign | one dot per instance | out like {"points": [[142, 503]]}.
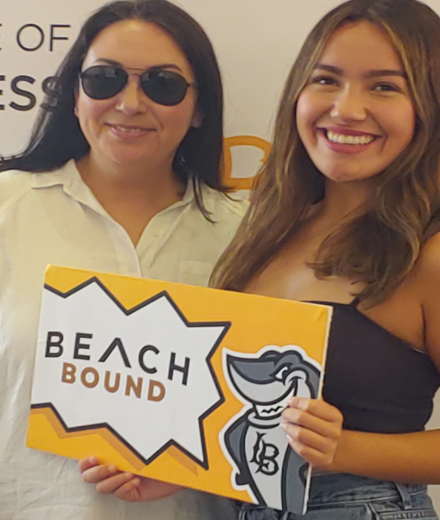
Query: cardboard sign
{"points": [[179, 383]]}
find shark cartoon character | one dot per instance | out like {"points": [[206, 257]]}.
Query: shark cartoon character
{"points": [[265, 462]]}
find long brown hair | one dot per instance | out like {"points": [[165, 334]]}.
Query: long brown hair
{"points": [[378, 248]]}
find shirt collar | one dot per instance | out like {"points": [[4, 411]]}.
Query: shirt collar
{"points": [[71, 181], [64, 176], [69, 178]]}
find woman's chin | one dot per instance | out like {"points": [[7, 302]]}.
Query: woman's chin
{"points": [[129, 159]]}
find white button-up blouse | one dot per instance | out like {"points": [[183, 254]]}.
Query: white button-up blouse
{"points": [[53, 218]]}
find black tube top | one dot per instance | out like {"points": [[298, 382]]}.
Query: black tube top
{"points": [[378, 381]]}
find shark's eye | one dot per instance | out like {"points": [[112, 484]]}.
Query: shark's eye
{"points": [[281, 373]]}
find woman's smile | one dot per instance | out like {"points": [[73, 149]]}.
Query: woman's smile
{"points": [[346, 141], [129, 131]]}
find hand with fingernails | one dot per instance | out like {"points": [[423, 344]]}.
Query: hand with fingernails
{"points": [[123, 485], [313, 428]]}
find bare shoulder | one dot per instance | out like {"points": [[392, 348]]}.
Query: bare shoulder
{"points": [[428, 264]]}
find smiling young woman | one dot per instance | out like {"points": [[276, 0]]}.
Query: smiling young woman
{"points": [[346, 211]]}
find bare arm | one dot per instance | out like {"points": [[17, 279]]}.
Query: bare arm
{"points": [[314, 431], [411, 457]]}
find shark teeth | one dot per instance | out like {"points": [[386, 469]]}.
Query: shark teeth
{"points": [[272, 410], [349, 139]]}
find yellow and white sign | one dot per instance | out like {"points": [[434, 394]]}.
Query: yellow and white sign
{"points": [[179, 383]]}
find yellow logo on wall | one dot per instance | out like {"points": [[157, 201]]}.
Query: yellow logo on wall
{"points": [[179, 383], [240, 183]]}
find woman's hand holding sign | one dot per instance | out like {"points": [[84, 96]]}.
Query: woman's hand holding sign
{"points": [[123, 485], [313, 428]]}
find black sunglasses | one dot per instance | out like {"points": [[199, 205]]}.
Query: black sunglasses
{"points": [[164, 87]]}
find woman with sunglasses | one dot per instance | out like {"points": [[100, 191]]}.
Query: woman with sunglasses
{"points": [[347, 211], [122, 174]]}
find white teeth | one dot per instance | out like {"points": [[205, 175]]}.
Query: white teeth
{"points": [[349, 139], [128, 129]]}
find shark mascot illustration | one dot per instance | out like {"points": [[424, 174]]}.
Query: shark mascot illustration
{"points": [[258, 446]]}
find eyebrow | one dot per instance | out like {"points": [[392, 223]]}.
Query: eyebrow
{"points": [[154, 67], [370, 74]]}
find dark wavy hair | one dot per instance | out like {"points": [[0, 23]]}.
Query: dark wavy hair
{"points": [[57, 137], [378, 248]]}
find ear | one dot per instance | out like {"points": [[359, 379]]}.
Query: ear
{"points": [[197, 119]]}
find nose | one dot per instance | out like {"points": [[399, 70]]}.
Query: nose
{"points": [[131, 100], [349, 105]]}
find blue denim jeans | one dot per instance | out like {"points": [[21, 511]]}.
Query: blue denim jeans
{"points": [[349, 497]]}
